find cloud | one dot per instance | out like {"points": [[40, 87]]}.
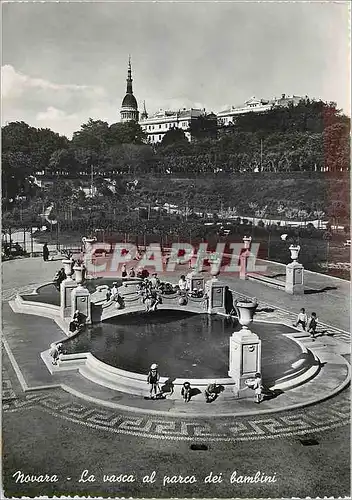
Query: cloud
{"points": [[63, 107], [52, 113], [58, 120], [14, 84]]}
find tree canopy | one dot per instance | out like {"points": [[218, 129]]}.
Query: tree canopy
{"points": [[311, 136]]}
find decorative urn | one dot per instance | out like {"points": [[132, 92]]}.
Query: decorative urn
{"points": [[294, 249], [67, 263], [246, 310], [78, 274], [247, 240]]}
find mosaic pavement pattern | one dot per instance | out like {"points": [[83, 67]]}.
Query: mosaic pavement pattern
{"points": [[7, 392], [329, 415]]}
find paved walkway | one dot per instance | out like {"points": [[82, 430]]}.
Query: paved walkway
{"points": [[53, 431], [89, 413], [328, 296], [24, 351], [332, 305]]}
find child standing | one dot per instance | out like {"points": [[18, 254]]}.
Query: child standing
{"points": [[186, 391], [153, 379], [257, 386], [312, 325], [124, 271], [182, 283], [302, 319]]}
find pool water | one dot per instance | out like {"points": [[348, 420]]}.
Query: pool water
{"points": [[50, 294], [182, 344]]}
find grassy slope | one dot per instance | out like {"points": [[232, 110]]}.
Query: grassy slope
{"points": [[238, 189]]}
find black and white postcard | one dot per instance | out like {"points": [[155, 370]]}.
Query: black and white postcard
{"points": [[175, 249]]}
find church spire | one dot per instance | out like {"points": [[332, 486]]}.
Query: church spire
{"points": [[129, 77], [129, 107], [144, 114]]}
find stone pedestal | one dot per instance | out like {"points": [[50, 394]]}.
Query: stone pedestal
{"points": [[66, 288], [80, 300], [88, 243], [245, 349], [294, 278], [245, 254], [195, 281], [215, 292], [294, 273], [245, 360]]}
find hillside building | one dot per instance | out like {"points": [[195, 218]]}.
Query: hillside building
{"points": [[158, 124], [254, 105]]}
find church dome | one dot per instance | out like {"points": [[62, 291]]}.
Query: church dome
{"points": [[129, 108], [129, 101]]}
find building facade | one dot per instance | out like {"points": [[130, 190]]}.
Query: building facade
{"points": [[129, 108], [161, 122], [254, 105]]}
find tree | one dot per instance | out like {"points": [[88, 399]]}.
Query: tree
{"points": [[135, 157], [63, 162], [46, 143], [204, 127], [39, 144], [86, 158], [18, 136], [15, 172], [337, 147], [126, 133], [174, 136], [94, 135]]}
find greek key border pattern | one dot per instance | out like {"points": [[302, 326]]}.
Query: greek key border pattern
{"points": [[333, 414]]}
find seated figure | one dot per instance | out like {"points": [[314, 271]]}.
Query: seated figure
{"points": [[77, 321], [151, 300], [211, 393], [142, 273]]}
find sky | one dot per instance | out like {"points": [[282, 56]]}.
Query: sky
{"points": [[64, 62]]}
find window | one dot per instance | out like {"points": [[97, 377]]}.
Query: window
{"points": [[159, 126], [159, 137]]}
